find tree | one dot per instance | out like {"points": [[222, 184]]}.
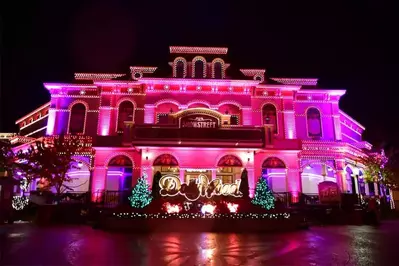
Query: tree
{"points": [[50, 160], [380, 168], [263, 195], [141, 195], [7, 156], [155, 185], [244, 186]]}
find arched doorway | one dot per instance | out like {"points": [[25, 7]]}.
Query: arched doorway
{"points": [[166, 164], [315, 173], [229, 169], [274, 171], [119, 174]]}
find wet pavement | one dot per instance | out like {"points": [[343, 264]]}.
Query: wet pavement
{"points": [[81, 245]]}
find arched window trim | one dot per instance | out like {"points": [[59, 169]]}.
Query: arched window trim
{"points": [[321, 121], [179, 59], [195, 59], [113, 155], [274, 157], [117, 110], [70, 115], [277, 119], [221, 61], [225, 155], [177, 163]]}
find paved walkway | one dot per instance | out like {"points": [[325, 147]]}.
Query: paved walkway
{"points": [[81, 245]]}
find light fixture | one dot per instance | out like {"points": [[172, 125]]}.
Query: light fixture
{"points": [[308, 167], [80, 164]]}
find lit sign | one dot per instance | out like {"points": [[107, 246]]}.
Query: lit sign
{"points": [[200, 187], [329, 192], [199, 121]]}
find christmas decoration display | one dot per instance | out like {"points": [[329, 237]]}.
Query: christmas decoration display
{"points": [[232, 207], [200, 187], [172, 208], [141, 195], [208, 208], [276, 216], [19, 202], [263, 195]]}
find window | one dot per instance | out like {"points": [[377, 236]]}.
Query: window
{"points": [[199, 69], [77, 119], [269, 116], [218, 70], [314, 123], [179, 69], [125, 113]]}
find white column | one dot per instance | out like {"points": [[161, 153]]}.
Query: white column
{"points": [[289, 125], [149, 114], [246, 116]]}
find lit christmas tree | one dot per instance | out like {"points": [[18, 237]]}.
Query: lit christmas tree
{"points": [[263, 195], [141, 194]]}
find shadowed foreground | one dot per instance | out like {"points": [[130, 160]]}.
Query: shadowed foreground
{"points": [[80, 245]]}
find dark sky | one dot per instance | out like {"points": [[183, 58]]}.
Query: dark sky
{"points": [[349, 44]]}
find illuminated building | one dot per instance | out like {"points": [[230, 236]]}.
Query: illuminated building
{"points": [[206, 118]]}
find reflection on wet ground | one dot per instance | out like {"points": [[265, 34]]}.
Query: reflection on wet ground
{"points": [[81, 245]]}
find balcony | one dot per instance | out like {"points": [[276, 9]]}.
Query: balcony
{"points": [[240, 137]]}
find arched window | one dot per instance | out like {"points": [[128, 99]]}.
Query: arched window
{"points": [[119, 175], [199, 69], [314, 123], [218, 69], [125, 113], [269, 116], [274, 171], [180, 69], [273, 162], [229, 169], [77, 119]]}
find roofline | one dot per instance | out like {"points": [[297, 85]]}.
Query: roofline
{"points": [[186, 81], [50, 85], [33, 112], [280, 86], [197, 50], [352, 119], [331, 92]]}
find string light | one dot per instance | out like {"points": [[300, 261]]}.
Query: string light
{"points": [[19, 202], [129, 215]]}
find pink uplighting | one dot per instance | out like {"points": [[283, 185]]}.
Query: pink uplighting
{"points": [[201, 121]]}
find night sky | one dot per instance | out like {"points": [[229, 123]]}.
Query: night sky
{"points": [[350, 46]]}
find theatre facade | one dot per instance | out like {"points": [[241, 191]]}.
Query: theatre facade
{"points": [[205, 118]]}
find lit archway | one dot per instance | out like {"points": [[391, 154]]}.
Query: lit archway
{"points": [[315, 173], [166, 164], [229, 169], [274, 171], [119, 174]]}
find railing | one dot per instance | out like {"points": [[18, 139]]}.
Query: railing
{"points": [[111, 199]]}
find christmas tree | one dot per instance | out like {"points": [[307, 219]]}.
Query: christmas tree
{"points": [[141, 195], [263, 195]]}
